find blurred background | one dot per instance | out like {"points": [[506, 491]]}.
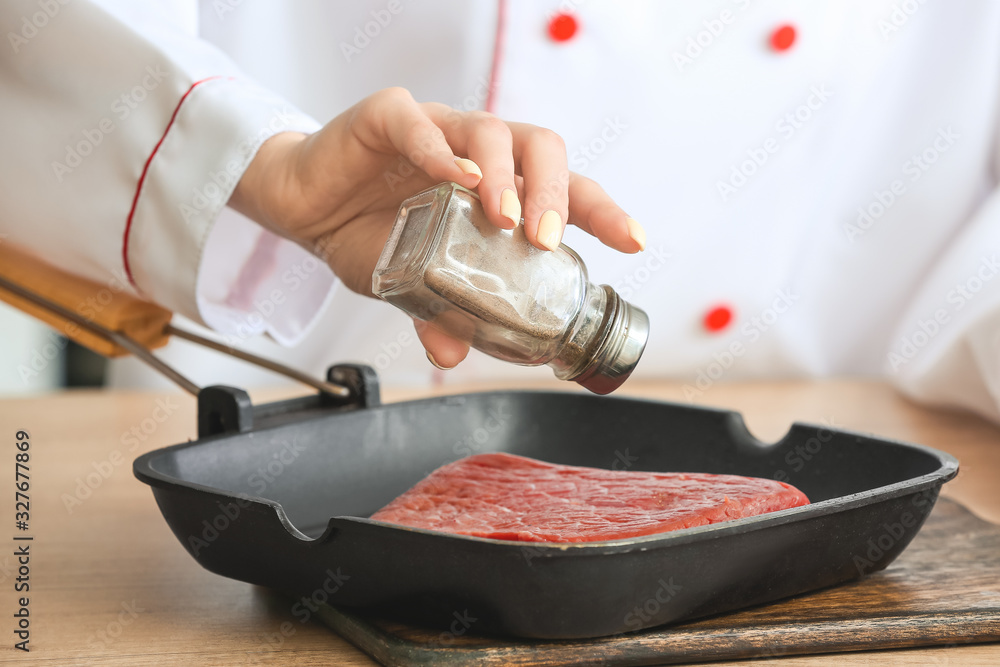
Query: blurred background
{"points": [[34, 358]]}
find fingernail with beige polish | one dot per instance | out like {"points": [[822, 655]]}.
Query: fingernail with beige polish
{"points": [[550, 230], [636, 231], [430, 358], [468, 166], [510, 206]]}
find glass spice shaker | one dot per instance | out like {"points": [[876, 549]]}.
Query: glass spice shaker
{"points": [[445, 263]]}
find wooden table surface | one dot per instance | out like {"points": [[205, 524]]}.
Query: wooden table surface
{"points": [[110, 584]]}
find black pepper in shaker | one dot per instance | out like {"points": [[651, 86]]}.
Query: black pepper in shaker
{"points": [[445, 263]]}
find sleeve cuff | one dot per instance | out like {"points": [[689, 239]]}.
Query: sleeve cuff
{"points": [[184, 249], [946, 348], [252, 282]]}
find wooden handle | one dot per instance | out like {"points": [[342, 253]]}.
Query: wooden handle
{"points": [[105, 304]]}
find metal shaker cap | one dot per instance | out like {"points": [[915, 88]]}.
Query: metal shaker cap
{"points": [[626, 331]]}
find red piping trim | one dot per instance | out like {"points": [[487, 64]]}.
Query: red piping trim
{"points": [[491, 97], [142, 178]]}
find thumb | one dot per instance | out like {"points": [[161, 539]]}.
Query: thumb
{"points": [[442, 350]]}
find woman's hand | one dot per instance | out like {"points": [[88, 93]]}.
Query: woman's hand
{"points": [[337, 191]]}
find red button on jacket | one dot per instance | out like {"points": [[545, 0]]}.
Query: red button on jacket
{"points": [[783, 38], [562, 27], [718, 318]]}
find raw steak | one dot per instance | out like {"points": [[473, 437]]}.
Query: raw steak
{"points": [[509, 497]]}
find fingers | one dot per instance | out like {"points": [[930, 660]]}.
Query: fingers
{"points": [[500, 149], [488, 143], [491, 145], [442, 350], [541, 155], [432, 136], [592, 210], [391, 121]]}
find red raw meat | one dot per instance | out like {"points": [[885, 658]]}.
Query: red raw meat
{"points": [[509, 497]]}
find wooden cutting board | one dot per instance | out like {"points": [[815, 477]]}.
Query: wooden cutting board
{"points": [[944, 589]]}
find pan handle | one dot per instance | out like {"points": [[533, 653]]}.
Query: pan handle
{"points": [[108, 306], [107, 320]]}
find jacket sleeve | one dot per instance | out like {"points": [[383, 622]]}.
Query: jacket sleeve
{"points": [[946, 350], [123, 137]]}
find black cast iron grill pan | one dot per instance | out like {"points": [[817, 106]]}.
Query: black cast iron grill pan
{"points": [[253, 497], [277, 495]]}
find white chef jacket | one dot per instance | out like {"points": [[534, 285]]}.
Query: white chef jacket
{"points": [[818, 180]]}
